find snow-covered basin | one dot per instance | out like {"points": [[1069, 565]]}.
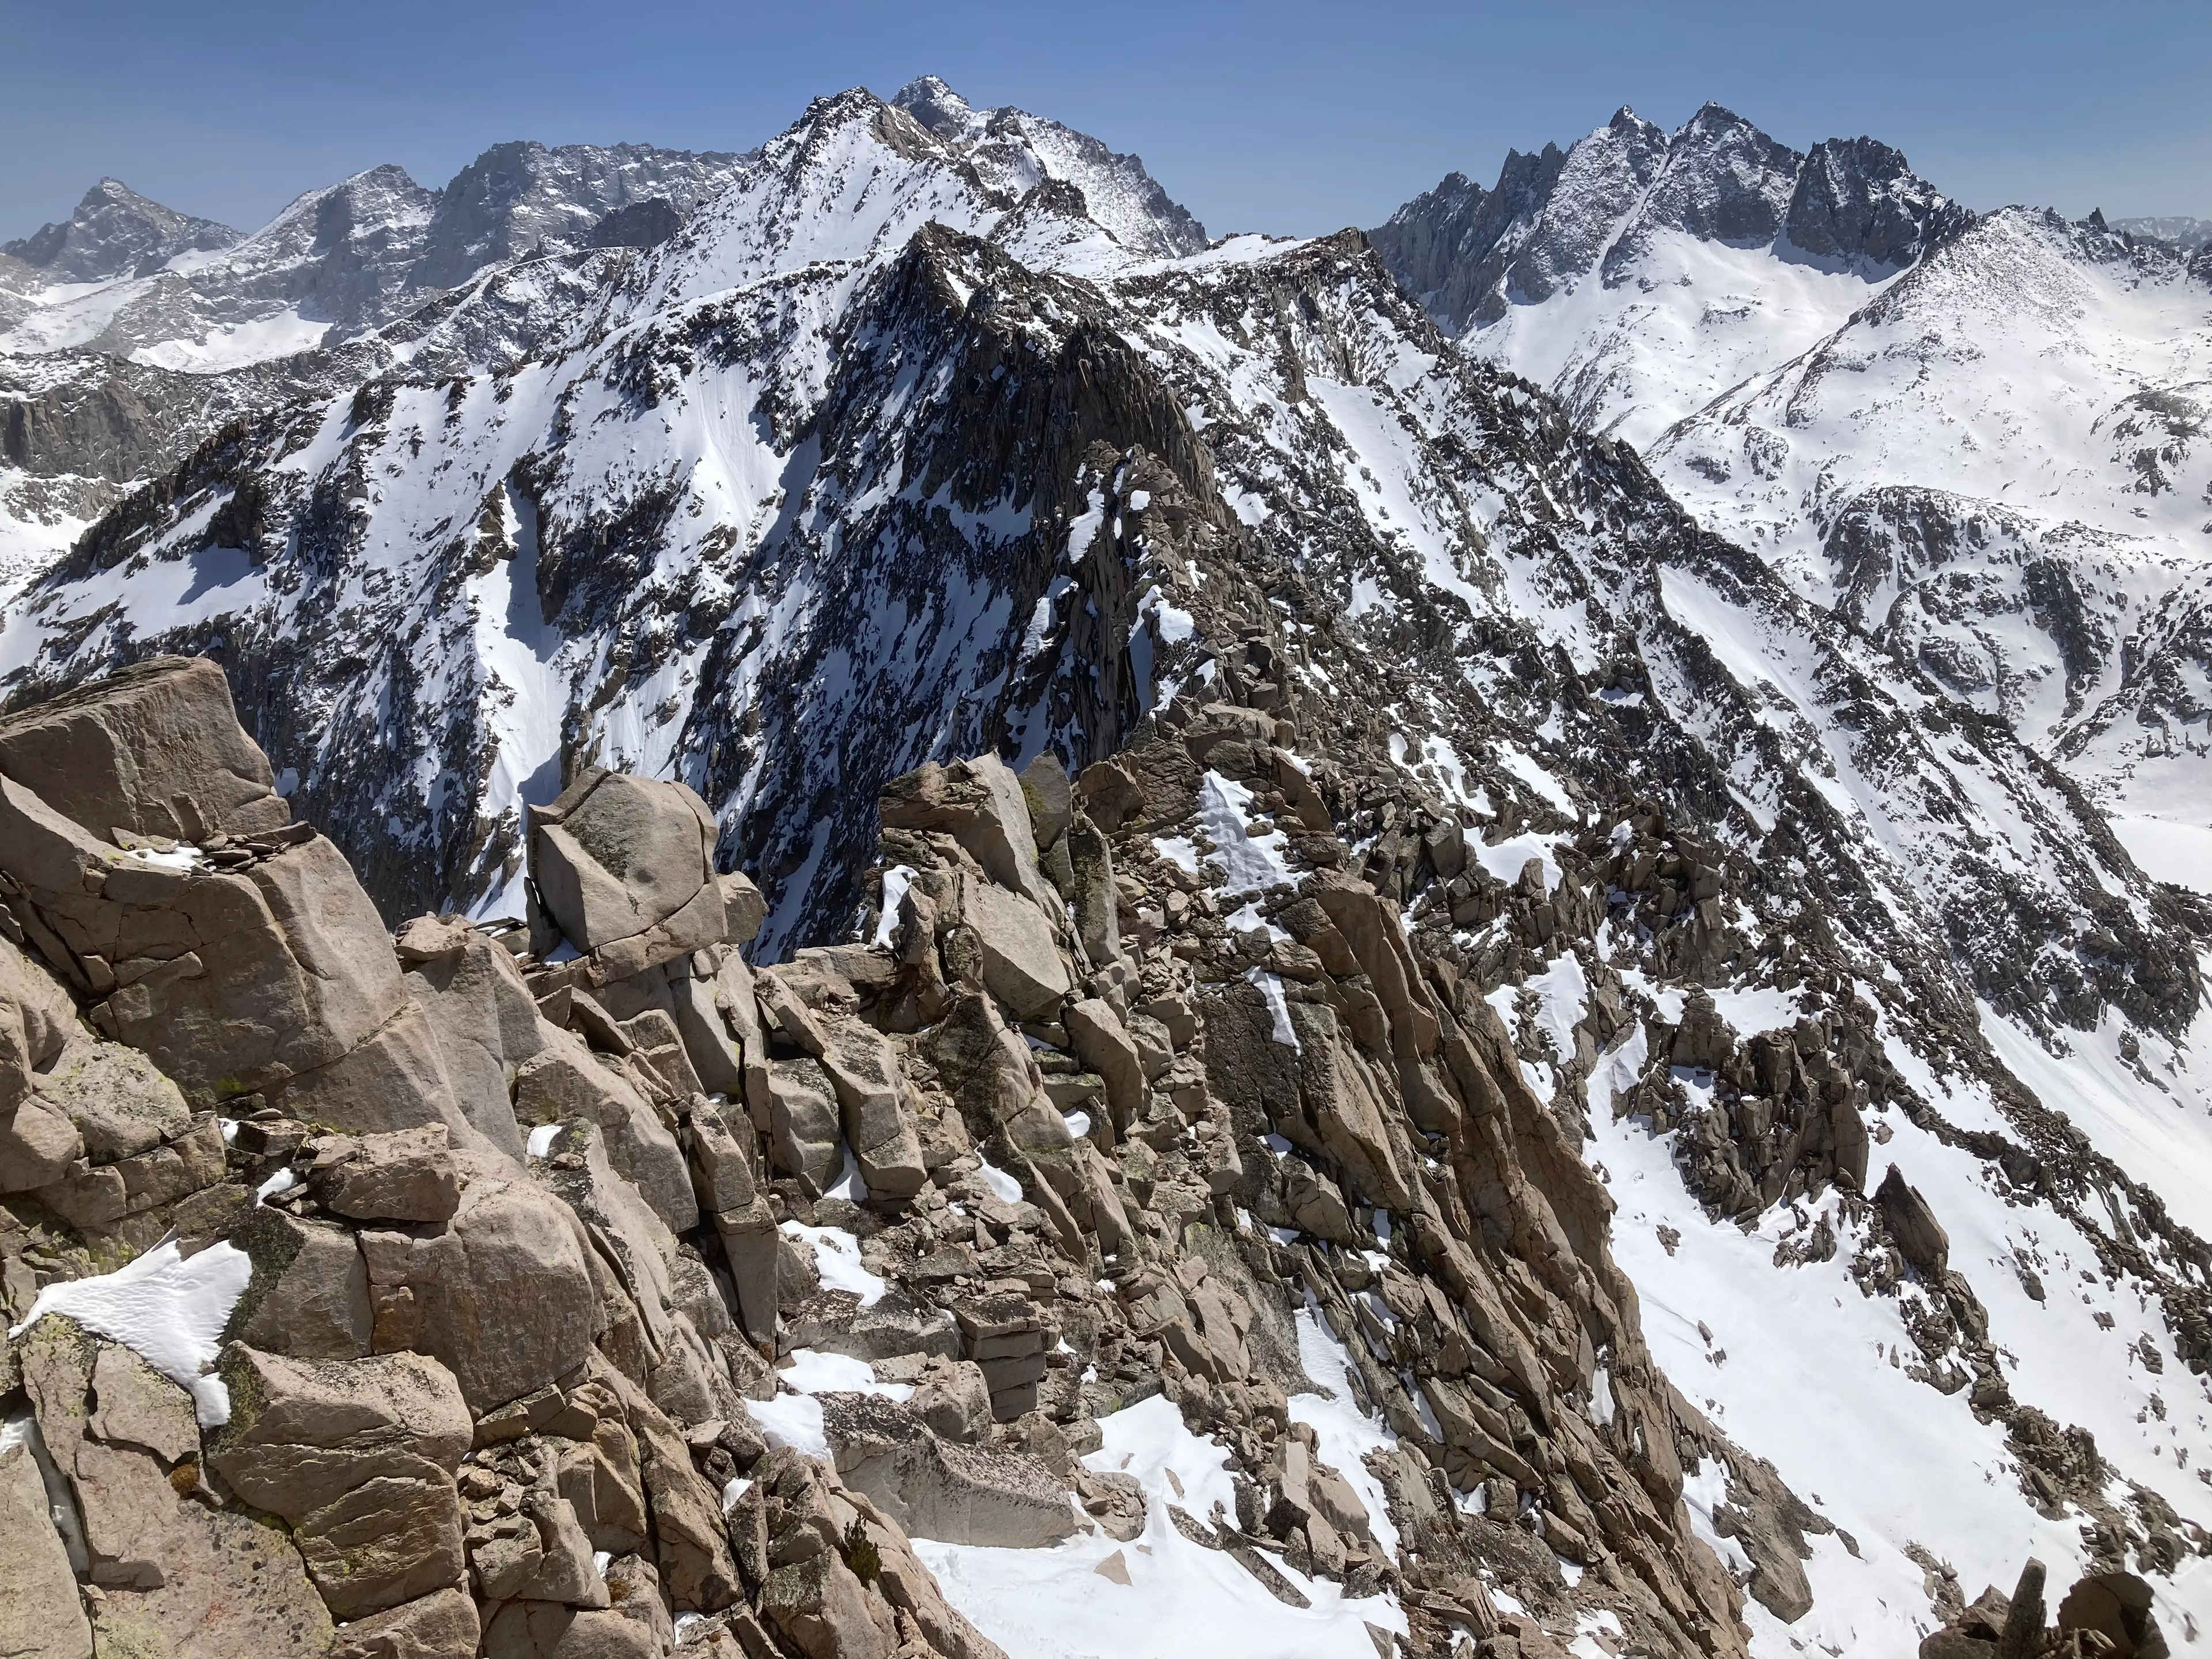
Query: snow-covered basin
{"points": [[1182, 1599]]}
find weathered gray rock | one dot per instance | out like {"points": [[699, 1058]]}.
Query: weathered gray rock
{"points": [[1344, 1106], [39, 1146], [706, 1035], [503, 1293], [1049, 794], [388, 1540], [953, 1398], [1102, 1044], [155, 749], [565, 1081], [38, 1022], [804, 1123], [743, 909], [822, 1610], [407, 1176], [485, 1022], [979, 803], [691, 1545], [624, 861], [394, 1078], [1095, 902], [134, 1405], [548, 1629], [277, 976], [231, 1583], [442, 1625], [909, 1587], [897, 1323], [303, 1433], [98, 1196], [119, 1102], [934, 1488], [879, 1124], [308, 1297], [40, 1615], [544, 1555], [1022, 965], [1920, 1237]]}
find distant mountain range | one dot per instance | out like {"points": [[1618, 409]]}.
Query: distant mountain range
{"points": [[1980, 437]]}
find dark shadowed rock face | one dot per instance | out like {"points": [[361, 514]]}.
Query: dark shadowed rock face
{"points": [[639, 224], [1858, 201]]}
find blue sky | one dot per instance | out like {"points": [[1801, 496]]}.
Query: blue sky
{"points": [[1295, 118]]}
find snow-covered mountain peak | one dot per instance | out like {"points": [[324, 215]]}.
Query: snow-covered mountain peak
{"points": [[1721, 180], [933, 103], [1015, 151], [1857, 200], [855, 177], [115, 232], [1643, 208]]}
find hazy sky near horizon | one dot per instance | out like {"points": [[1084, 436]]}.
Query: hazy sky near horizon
{"points": [[1294, 117]]}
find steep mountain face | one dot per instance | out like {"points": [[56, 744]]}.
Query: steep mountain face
{"points": [[2050, 567], [1619, 202], [341, 261], [1976, 439], [1886, 1055], [115, 232], [1015, 151]]}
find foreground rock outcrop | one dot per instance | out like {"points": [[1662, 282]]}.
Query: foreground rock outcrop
{"points": [[356, 1287]]}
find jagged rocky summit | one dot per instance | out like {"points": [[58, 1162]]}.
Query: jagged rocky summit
{"points": [[1977, 437], [1870, 1053]]}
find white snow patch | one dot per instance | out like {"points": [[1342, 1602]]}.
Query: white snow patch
{"points": [[811, 1371], [1270, 986], [837, 1258], [169, 1308], [792, 1421], [896, 880], [1008, 1190]]}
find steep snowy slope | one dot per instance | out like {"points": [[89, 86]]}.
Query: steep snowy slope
{"points": [[1639, 272], [1978, 439], [878, 462], [130, 332], [1996, 468]]}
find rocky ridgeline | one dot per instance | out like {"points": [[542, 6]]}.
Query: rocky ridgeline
{"points": [[516, 1226], [483, 1252], [463, 1263]]}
